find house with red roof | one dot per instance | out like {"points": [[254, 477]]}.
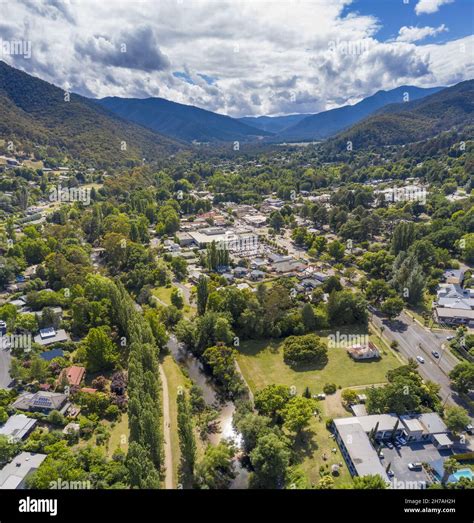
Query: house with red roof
{"points": [[74, 375]]}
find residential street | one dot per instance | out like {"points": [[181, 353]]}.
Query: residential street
{"points": [[414, 340], [4, 368]]}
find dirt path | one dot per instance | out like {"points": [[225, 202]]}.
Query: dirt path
{"points": [[167, 431]]}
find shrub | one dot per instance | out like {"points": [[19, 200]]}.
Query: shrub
{"points": [[329, 388]]}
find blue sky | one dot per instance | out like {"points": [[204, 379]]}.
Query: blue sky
{"points": [[457, 16]]}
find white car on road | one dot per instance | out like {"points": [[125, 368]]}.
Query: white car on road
{"points": [[420, 359]]}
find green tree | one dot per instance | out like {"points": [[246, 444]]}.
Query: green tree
{"points": [[177, 298], [346, 308], [101, 353], [456, 418], [305, 350], [392, 307], [215, 470], [297, 413], [308, 317], [271, 400], [450, 466], [336, 250], [187, 441], [462, 377], [371, 481], [202, 293], [270, 460]]}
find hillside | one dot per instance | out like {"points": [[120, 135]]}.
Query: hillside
{"points": [[273, 124], [413, 121], [328, 123], [184, 122], [34, 111]]}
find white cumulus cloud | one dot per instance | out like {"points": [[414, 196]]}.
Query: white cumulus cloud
{"points": [[414, 34], [430, 6], [236, 57]]}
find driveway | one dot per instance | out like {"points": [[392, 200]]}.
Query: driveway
{"points": [[5, 362]]}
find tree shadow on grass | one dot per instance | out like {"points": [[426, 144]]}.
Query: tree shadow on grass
{"points": [[305, 445], [305, 367]]}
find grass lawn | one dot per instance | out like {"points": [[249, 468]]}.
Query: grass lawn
{"points": [[164, 295], [262, 364], [176, 379], [316, 445], [118, 433]]}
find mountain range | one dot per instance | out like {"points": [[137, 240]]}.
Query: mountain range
{"points": [[189, 123], [32, 110], [273, 124], [118, 131], [409, 122], [184, 122], [328, 123]]}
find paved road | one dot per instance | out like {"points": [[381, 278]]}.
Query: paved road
{"points": [[415, 340], [5, 359], [167, 431]]}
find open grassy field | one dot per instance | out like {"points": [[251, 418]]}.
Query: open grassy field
{"points": [[175, 379], [262, 364]]}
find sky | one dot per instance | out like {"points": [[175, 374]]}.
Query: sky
{"points": [[241, 57]]}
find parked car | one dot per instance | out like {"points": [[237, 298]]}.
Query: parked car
{"points": [[397, 444], [449, 338], [435, 353], [470, 429], [390, 473], [381, 454], [389, 444], [415, 466], [420, 359], [402, 440]]}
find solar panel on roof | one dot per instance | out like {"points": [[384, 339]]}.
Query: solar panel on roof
{"points": [[48, 332], [42, 401]]}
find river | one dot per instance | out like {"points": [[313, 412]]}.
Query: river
{"points": [[226, 408]]}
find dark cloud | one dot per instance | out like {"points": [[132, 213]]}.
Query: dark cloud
{"points": [[52, 9], [135, 50]]}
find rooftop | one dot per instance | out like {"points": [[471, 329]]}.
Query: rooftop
{"points": [[17, 426], [14, 473], [363, 455]]}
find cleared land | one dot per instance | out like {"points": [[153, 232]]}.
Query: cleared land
{"points": [[262, 364]]}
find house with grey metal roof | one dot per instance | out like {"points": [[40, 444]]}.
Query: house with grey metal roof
{"points": [[14, 474], [17, 427], [359, 454]]}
